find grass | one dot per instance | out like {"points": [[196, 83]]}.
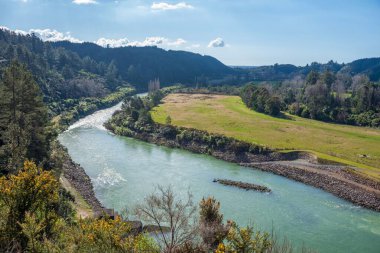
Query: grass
{"points": [[82, 208], [229, 116]]}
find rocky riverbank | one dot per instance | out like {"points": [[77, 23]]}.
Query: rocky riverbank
{"points": [[343, 187], [78, 178]]}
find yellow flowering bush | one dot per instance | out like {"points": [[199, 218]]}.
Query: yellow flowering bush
{"points": [[107, 235], [247, 240], [30, 220], [32, 191]]}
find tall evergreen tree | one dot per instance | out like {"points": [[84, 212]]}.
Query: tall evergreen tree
{"points": [[23, 118]]}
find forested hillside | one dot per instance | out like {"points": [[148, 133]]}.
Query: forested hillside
{"points": [[59, 72], [139, 65], [63, 76], [66, 70]]}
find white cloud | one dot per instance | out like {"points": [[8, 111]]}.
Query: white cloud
{"points": [[46, 34], [53, 35], [218, 42], [21, 32], [112, 43], [178, 42], [84, 2], [166, 6], [150, 41]]}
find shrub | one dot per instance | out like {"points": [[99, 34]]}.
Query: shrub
{"points": [[31, 191]]}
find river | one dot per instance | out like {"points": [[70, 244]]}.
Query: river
{"points": [[125, 170]]}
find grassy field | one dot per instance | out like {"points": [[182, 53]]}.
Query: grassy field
{"points": [[357, 146]]}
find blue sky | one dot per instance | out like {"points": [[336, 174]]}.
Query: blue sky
{"points": [[237, 32]]}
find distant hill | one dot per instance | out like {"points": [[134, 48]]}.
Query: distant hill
{"points": [[278, 72], [139, 65], [368, 66]]}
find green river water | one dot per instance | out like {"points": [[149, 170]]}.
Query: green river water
{"points": [[124, 171]]}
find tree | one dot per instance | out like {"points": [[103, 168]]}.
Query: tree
{"points": [[358, 81], [364, 97], [211, 227], [273, 106], [328, 78], [261, 100], [112, 75], [23, 119], [312, 78], [155, 97], [339, 89], [168, 120], [172, 216], [154, 85], [247, 94], [317, 98]]}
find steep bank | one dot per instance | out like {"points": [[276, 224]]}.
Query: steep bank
{"points": [[78, 178], [75, 180]]}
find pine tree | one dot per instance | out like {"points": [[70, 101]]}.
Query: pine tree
{"points": [[23, 118]]}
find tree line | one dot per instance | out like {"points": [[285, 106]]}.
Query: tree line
{"points": [[322, 96]]}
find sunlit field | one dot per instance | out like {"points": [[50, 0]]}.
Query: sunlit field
{"points": [[357, 146]]}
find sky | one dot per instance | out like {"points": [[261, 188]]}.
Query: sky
{"points": [[237, 32]]}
